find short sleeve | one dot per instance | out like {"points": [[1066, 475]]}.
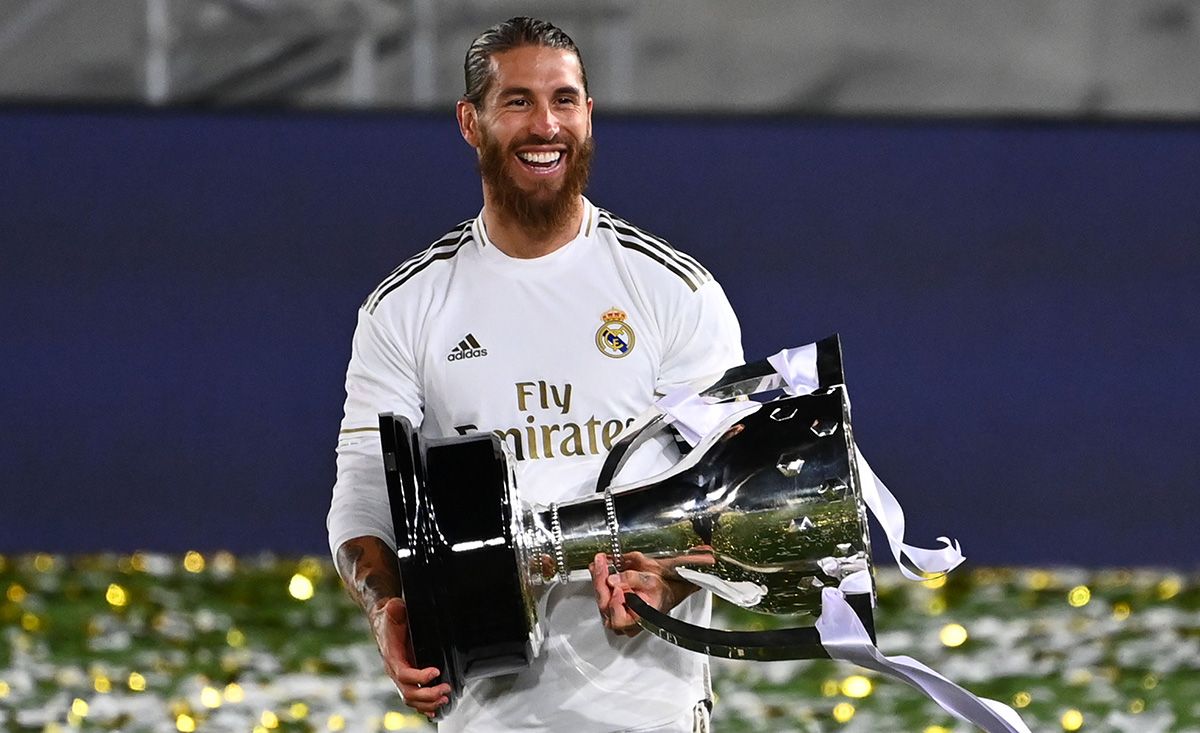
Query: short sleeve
{"points": [[381, 377]]}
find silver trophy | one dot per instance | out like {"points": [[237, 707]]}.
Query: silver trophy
{"points": [[766, 512]]}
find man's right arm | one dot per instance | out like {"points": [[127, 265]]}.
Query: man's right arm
{"points": [[372, 578], [380, 377]]}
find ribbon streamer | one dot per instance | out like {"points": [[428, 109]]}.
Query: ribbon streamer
{"points": [[843, 636], [693, 417], [798, 367], [890, 515]]}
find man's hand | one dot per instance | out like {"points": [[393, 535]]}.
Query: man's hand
{"points": [[389, 622], [654, 580], [372, 578]]}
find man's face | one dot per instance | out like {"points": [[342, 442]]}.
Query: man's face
{"points": [[533, 134]]}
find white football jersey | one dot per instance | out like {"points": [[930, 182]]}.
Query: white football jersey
{"points": [[555, 355]]}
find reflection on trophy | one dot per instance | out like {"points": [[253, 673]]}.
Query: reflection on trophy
{"points": [[765, 511]]}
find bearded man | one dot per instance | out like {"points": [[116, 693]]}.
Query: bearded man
{"points": [[552, 323]]}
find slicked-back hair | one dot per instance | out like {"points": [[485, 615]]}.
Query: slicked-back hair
{"points": [[512, 33]]}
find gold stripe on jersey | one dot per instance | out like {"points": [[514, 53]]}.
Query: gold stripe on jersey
{"points": [[683, 266], [444, 248], [348, 431]]}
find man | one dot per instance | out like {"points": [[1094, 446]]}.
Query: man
{"points": [[551, 322]]}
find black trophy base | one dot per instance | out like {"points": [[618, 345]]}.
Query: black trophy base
{"points": [[468, 613]]}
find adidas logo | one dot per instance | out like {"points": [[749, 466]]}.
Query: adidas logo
{"points": [[468, 348]]}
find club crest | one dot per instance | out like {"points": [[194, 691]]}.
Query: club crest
{"points": [[615, 338]]}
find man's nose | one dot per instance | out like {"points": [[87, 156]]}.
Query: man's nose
{"points": [[545, 123]]}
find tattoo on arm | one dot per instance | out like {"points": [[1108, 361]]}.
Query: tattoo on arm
{"points": [[369, 571]]}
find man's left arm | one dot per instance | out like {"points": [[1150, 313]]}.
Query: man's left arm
{"points": [[704, 338]]}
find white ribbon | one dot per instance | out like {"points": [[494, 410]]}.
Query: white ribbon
{"points": [[890, 515], [845, 638], [798, 367], [694, 418]]}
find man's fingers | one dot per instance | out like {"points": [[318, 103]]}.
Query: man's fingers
{"points": [[599, 570]]}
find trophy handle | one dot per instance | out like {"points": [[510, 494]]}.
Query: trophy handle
{"points": [[767, 646]]}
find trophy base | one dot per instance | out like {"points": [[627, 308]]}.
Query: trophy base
{"points": [[467, 610]]}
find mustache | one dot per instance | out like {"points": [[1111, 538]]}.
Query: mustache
{"points": [[562, 138]]}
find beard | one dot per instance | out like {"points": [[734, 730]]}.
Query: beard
{"points": [[543, 209]]}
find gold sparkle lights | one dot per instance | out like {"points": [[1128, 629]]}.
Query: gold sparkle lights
{"points": [[1079, 596], [300, 587], [1072, 720], [193, 562], [952, 635]]}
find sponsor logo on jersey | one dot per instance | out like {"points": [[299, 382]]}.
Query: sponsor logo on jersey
{"points": [[615, 338], [468, 348]]}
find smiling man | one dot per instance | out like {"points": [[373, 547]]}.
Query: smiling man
{"points": [[551, 323]]}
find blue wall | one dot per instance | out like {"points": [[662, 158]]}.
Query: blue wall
{"points": [[1017, 303]]}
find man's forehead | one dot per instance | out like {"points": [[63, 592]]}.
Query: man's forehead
{"points": [[529, 65]]}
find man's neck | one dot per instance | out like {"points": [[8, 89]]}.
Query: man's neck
{"points": [[517, 241]]}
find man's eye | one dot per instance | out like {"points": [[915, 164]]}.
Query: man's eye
{"points": [[517, 103]]}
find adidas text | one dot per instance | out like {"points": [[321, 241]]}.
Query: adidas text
{"points": [[466, 354]]}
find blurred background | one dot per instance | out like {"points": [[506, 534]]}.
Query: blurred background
{"points": [[996, 204]]}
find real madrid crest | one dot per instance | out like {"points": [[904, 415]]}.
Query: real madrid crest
{"points": [[615, 338]]}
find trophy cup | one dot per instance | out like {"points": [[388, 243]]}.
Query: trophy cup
{"points": [[765, 511]]}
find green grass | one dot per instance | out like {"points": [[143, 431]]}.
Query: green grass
{"points": [[228, 648]]}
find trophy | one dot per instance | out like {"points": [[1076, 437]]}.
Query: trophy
{"points": [[765, 511]]}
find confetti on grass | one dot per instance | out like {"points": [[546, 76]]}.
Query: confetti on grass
{"points": [[157, 643]]}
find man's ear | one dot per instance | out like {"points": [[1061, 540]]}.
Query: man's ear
{"points": [[468, 122]]}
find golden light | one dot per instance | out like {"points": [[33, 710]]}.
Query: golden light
{"points": [[210, 697], [856, 686], [935, 581], [259, 729], [1169, 587], [185, 723], [137, 682], [1079, 596], [234, 693], [102, 684], [43, 563], [843, 712], [1121, 611], [116, 596], [137, 561], [16, 593], [1039, 580], [193, 562], [1022, 699], [829, 688], [952, 635], [30, 622], [393, 720], [235, 638], [269, 719], [336, 722], [1072, 720], [300, 587], [1137, 706], [4, 689], [79, 707], [298, 711], [1149, 682], [936, 729]]}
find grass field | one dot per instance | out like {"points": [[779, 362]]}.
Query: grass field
{"points": [[149, 642]]}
